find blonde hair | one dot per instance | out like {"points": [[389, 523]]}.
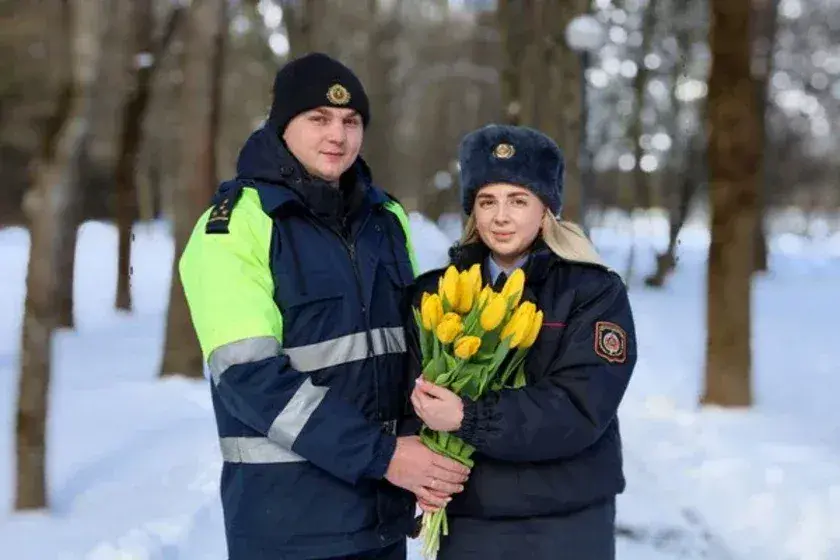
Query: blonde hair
{"points": [[565, 239]]}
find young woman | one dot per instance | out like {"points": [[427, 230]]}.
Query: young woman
{"points": [[548, 463]]}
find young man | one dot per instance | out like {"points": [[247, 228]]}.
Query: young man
{"points": [[296, 280]]}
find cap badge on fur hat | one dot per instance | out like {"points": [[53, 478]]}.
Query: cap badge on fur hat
{"points": [[504, 151], [338, 95]]}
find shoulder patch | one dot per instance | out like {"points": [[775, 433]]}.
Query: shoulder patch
{"points": [[219, 220], [610, 342]]}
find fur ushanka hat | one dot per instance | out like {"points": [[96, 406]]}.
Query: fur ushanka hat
{"points": [[511, 154]]}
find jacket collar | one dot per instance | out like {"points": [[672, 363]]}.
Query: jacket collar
{"points": [[541, 259], [265, 160]]}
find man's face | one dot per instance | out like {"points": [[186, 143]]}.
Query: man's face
{"points": [[325, 140]]}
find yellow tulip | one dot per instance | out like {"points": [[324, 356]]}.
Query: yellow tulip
{"points": [[474, 274], [451, 316], [448, 329], [514, 286], [431, 311], [467, 346], [493, 314], [449, 286], [485, 293], [519, 324], [531, 337], [465, 293]]}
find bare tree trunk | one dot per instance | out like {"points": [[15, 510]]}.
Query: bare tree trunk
{"points": [[535, 66], [566, 94], [206, 31], [46, 207], [513, 31], [642, 184], [734, 154], [379, 150], [641, 180], [687, 157], [541, 81], [434, 153], [145, 63], [764, 40], [304, 26], [689, 184], [86, 35]]}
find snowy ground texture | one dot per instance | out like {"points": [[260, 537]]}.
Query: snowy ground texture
{"points": [[133, 463]]}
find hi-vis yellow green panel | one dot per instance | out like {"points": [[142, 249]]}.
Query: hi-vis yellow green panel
{"points": [[399, 212], [227, 278]]}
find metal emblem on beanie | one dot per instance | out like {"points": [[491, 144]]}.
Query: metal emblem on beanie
{"points": [[504, 151], [338, 95]]}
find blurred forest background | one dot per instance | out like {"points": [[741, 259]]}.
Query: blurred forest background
{"points": [[133, 110]]}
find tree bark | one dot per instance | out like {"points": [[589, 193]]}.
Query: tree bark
{"points": [[541, 81], [83, 58], [566, 99], [689, 183], [145, 63], [207, 26], [764, 41], [535, 66], [734, 156], [304, 22], [46, 208], [641, 181], [379, 148], [513, 33], [687, 156]]}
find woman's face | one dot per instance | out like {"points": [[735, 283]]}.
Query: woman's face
{"points": [[508, 219]]}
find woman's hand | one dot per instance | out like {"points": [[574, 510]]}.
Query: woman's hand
{"points": [[440, 409]]}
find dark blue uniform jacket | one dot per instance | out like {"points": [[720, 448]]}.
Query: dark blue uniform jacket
{"points": [[553, 448], [325, 405]]}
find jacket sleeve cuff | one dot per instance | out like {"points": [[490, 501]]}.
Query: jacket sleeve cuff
{"points": [[469, 425], [409, 426], [384, 453]]}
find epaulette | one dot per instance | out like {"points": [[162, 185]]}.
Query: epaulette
{"points": [[223, 203]]}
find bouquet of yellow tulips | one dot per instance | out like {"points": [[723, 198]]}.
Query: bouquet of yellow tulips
{"points": [[473, 340]]}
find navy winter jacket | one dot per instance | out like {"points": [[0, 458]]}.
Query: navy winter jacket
{"points": [[307, 350]]}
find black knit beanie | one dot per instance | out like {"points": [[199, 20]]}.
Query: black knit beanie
{"points": [[311, 81], [511, 154]]}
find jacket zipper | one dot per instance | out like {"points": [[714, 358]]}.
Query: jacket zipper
{"points": [[350, 246]]}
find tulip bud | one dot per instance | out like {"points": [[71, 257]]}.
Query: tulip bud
{"points": [[465, 293], [475, 278], [449, 286], [431, 311], [493, 314], [485, 293], [533, 333], [520, 324], [514, 286], [448, 329], [466, 347]]}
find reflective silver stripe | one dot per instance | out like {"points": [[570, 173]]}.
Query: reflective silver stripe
{"points": [[256, 450], [288, 424], [241, 352], [345, 349]]}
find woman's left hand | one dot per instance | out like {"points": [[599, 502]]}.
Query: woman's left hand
{"points": [[439, 408]]}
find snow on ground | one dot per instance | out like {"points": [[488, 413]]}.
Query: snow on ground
{"points": [[133, 464]]}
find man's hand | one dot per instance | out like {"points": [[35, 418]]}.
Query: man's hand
{"points": [[426, 506], [431, 477], [439, 408]]}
